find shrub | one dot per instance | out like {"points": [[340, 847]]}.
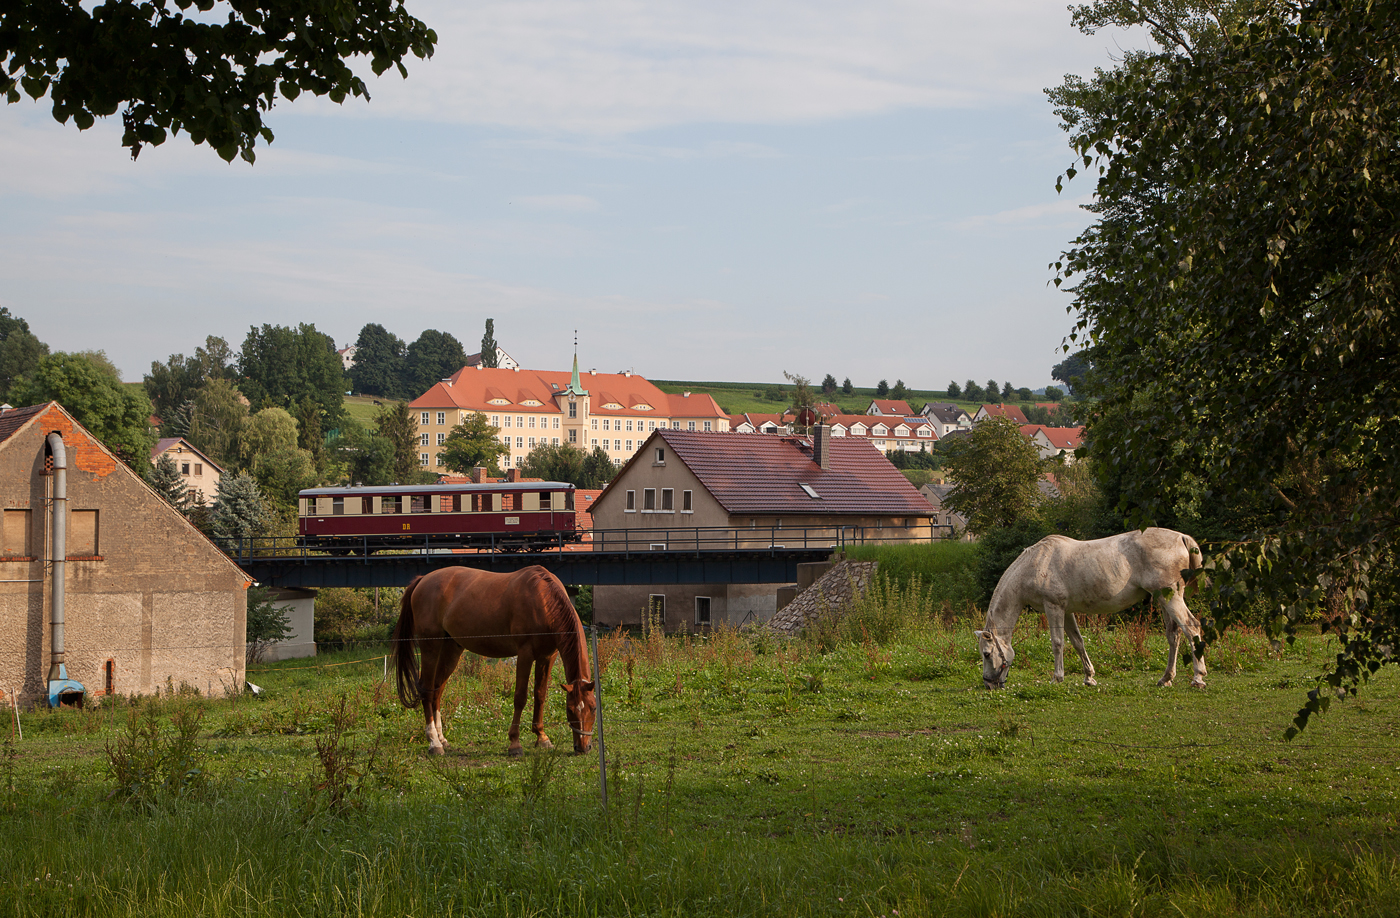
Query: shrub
{"points": [[1000, 546]]}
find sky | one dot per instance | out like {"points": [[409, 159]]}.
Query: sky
{"points": [[713, 190]]}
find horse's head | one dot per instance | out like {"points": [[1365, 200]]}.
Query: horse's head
{"points": [[996, 658], [582, 704]]}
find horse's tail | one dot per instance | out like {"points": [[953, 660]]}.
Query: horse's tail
{"points": [[405, 662], [1194, 562]]}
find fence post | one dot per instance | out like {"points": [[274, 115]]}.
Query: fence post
{"points": [[598, 719]]}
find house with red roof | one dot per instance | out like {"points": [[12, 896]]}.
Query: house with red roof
{"points": [[890, 408], [1057, 441], [1000, 411], [710, 491], [613, 412]]}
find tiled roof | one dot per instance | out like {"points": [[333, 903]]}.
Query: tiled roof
{"points": [[166, 443], [748, 474], [892, 406], [948, 414], [474, 389], [1006, 411], [16, 418], [1064, 437]]}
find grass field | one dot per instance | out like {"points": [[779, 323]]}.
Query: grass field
{"points": [[746, 777], [737, 398], [364, 408]]}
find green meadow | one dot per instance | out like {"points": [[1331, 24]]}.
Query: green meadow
{"points": [[859, 771]]}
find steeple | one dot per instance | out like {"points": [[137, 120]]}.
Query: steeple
{"points": [[575, 387]]}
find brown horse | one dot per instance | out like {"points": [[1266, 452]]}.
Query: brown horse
{"points": [[526, 615]]}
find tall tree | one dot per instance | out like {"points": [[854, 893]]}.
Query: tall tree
{"points": [[994, 471], [432, 358], [598, 469], [972, 392], [239, 509], [488, 344], [279, 366], [882, 388], [167, 481], [556, 462], [1240, 278], [954, 390], [359, 455], [472, 443], [396, 423], [20, 351], [829, 385], [379, 363], [171, 384], [846, 387], [168, 72], [116, 414], [215, 421], [1073, 370], [897, 391], [993, 390]]}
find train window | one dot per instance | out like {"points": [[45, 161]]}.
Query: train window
{"points": [[337, 506], [302, 503], [366, 504], [390, 504], [418, 503], [568, 500]]}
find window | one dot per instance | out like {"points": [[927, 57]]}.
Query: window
{"points": [[668, 500], [594, 424], [337, 506], [685, 503], [690, 425], [649, 499], [617, 446], [519, 461], [554, 441], [532, 443], [629, 446], [702, 610], [573, 409], [424, 419], [532, 420], [423, 439], [519, 442], [442, 438], [707, 425], [631, 501], [199, 468], [656, 609], [556, 423], [573, 435], [17, 534], [651, 425], [495, 420], [507, 424], [439, 459], [595, 443], [660, 456], [629, 425], [442, 417], [422, 458], [520, 421], [676, 425], [184, 468], [605, 424]]}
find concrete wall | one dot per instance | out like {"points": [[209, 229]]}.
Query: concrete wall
{"points": [[153, 596], [302, 618]]}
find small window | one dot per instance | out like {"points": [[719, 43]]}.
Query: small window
{"points": [[422, 458], [442, 438], [199, 468], [337, 506], [811, 492], [685, 503], [556, 423], [573, 409], [656, 609], [532, 420], [424, 419], [519, 461], [594, 424], [442, 417], [423, 439], [507, 420], [617, 446], [629, 425], [660, 455], [519, 444], [707, 425], [546, 502], [82, 533], [649, 499], [702, 610], [605, 424], [631, 501], [629, 446], [690, 425], [184, 468], [573, 435], [668, 500]]}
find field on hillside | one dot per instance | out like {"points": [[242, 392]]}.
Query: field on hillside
{"points": [[737, 398], [365, 408], [746, 776]]}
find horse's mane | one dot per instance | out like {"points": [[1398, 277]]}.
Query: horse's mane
{"points": [[560, 617]]}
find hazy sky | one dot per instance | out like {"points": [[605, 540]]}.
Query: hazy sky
{"points": [[705, 190]]}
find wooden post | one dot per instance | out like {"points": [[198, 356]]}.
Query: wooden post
{"points": [[598, 719]]}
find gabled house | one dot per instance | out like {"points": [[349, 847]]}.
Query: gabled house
{"points": [[201, 473], [683, 487], [1058, 441], [1000, 411], [753, 422], [146, 602], [890, 408], [946, 418]]}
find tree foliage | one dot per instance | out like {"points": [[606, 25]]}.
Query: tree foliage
{"points": [[433, 357], [268, 622], [169, 72], [214, 421], [954, 390], [360, 455], [20, 351], [279, 366], [1238, 288], [116, 414], [472, 443], [488, 344], [397, 424], [239, 509], [167, 481], [172, 384], [379, 363], [994, 472]]}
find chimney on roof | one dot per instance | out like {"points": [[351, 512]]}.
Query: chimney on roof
{"points": [[478, 475], [512, 474], [821, 446]]}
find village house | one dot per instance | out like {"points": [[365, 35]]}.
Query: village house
{"points": [[503, 360], [890, 408], [1055, 441], [201, 473], [686, 488], [885, 433], [1000, 411], [946, 418], [611, 411], [144, 601]]}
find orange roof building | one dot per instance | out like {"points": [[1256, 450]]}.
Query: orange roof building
{"points": [[611, 411]]}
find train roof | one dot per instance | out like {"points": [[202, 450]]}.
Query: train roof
{"points": [[436, 488]]}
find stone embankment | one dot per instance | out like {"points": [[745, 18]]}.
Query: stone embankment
{"points": [[832, 595]]}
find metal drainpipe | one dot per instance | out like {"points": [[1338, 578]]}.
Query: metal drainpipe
{"points": [[60, 549]]}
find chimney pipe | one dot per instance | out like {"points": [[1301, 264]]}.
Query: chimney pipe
{"points": [[59, 508], [821, 446]]}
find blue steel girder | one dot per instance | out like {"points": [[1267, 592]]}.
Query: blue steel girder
{"points": [[756, 565]]}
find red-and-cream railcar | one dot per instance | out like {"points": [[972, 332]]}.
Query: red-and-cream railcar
{"points": [[506, 515]]}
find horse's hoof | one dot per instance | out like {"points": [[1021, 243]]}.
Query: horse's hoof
{"points": [[545, 744], [1164, 683], [1198, 683], [515, 752], [436, 750], [1091, 682]]}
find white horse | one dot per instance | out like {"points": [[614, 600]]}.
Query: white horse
{"points": [[1061, 577]]}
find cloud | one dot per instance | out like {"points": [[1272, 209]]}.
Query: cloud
{"points": [[1066, 212], [620, 66]]}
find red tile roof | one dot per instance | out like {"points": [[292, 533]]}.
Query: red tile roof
{"points": [[474, 389], [15, 418], [892, 406], [1006, 411], [752, 475], [1064, 437]]}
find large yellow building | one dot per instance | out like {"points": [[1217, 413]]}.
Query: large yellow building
{"points": [[613, 411]]}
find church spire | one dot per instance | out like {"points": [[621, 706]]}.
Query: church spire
{"points": [[575, 387]]}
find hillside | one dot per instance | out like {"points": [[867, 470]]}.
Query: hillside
{"points": [[739, 397]]}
